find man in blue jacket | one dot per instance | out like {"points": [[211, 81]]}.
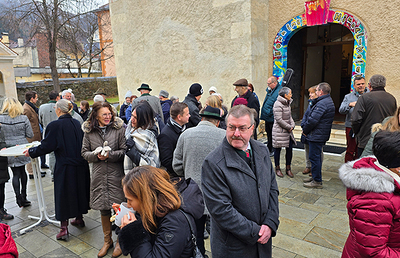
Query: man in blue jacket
{"points": [[317, 129], [267, 113]]}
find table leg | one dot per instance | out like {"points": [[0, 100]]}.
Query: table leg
{"points": [[40, 197]]}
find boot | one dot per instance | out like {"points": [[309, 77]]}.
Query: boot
{"points": [[4, 215], [108, 243], [278, 171], [26, 201], [289, 171], [78, 221], [19, 200], [63, 235], [117, 250]]}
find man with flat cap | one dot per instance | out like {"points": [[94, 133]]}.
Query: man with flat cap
{"points": [[192, 100], [154, 101], [192, 148], [241, 87]]}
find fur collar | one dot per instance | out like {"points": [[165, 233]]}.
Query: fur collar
{"points": [[369, 179], [117, 124]]}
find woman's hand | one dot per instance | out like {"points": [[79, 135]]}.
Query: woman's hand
{"points": [[125, 220], [115, 206], [101, 157], [290, 130], [26, 153]]}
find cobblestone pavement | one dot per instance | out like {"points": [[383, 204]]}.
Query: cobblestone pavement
{"points": [[313, 222]]}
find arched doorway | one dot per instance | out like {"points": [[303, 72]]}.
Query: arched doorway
{"points": [[334, 52]]}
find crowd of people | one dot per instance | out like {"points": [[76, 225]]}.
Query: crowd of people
{"points": [[189, 169]]}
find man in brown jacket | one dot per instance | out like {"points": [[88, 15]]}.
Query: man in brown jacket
{"points": [[31, 111]]}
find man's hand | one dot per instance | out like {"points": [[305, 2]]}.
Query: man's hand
{"points": [[265, 234], [352, 104], [25, 152]]}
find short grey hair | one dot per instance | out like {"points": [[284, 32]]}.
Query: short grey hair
{"points": [[241, 111], [324, 87], [98, 98], [377, 81], [172, 98], [284, 91], [64, 92]]}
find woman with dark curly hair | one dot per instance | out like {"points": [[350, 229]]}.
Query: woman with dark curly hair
{"points": [[104, 147]]}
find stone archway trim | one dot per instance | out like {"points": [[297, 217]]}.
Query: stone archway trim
{"points": [[334, 16]]}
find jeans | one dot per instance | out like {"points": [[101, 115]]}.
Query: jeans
{"points": [[289, 154], [316, 160], [351, 150], [268, 129]]}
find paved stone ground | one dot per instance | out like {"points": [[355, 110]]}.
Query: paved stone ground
{"points": [[313, 222]]}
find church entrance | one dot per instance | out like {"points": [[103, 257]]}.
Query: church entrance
{"points": [[317, 54]]}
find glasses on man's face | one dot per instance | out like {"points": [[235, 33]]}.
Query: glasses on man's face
{"points": [[106, 115], [241, 129]]}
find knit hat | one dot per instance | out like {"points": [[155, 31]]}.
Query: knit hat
{"points": [[164, 93], [196, 89], [240, 101], [128, 94], [212, 88], [211, 112], [241, 82], [144, 86]]}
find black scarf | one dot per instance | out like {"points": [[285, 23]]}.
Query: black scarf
{"points": [[32, 106]]}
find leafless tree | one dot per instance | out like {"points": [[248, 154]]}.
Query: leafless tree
{"points": [[48, 17]]}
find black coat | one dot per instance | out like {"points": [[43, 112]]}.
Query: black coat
{"points": [[194, 110], [173, 236], [318, 123], [71, 174], [122, 113], [166, 145], [252, 102]]}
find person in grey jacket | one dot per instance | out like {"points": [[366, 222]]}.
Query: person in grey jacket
{"points": [[15, 128], [154, 101], [347, 108], [192, 148], [240, 191]]}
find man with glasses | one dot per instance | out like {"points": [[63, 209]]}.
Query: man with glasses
{"points": [[347, 108], [240, 191], [317, 130], [267, 113]]}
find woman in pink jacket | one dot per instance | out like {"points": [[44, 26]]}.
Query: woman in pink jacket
{"points": [[373, 194]]}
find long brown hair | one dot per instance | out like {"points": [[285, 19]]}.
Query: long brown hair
{"points": [[156, 195], [95, 109], [392, 124]]}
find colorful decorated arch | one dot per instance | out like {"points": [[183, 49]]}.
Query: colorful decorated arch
{"points": [[318, 13]]}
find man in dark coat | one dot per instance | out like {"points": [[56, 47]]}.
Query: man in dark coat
{"points": [[192, 100], [267, 113], [241, 87], [71, 176], [170, 133], [317, 129], [240, 191], [371, 108], [166, 104]]}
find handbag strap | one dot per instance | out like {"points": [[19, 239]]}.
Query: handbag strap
{"points": [[190, 225]]}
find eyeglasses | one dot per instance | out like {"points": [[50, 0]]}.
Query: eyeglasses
{"points": [[242, 128], [106, 115]]}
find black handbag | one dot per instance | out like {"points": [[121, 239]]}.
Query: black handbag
{"points": [[196, 251]]}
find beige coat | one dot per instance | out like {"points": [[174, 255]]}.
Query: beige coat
{"points": [[105, 186], [283, 121], [34, 120]]}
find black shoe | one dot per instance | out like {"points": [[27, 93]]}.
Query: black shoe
{"points": [[44, 166], [43, 174], [4, 215], [30, 176], [271, 154]]}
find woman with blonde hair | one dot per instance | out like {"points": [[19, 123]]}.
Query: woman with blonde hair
{"points": [[215, 101], [71, 172], [160, 213], [15, 127]]}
